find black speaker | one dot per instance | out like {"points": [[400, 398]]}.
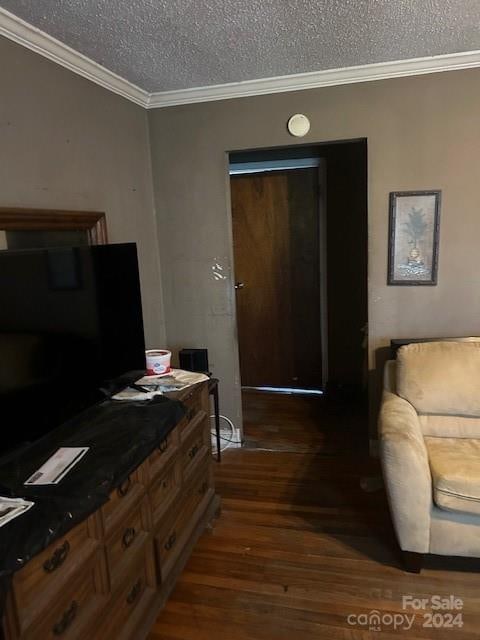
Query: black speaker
{"points": [[194, 360]]}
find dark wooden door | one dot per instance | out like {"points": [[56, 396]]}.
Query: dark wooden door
{"points": [[276, 252]]}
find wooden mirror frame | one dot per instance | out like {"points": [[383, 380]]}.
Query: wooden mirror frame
{"points": [[93, 222]]}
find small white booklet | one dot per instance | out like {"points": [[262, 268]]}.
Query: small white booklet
{"points": [[57, 466], [11, 508]]}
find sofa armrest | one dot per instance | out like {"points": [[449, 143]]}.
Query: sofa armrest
{"points": [[406, 472]]}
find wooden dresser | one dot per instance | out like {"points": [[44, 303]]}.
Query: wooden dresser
{"points": [[110, 575]]}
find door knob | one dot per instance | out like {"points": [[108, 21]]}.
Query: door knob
{"points": [[239, 285]]}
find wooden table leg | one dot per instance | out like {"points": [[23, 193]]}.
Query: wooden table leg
{"points": [[217, 420]]}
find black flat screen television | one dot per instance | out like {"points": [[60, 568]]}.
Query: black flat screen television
{"points": [[70, 321]]}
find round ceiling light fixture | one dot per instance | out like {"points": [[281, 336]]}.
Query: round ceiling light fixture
{"points": [[298, 125]]}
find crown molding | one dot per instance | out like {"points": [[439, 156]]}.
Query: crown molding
{"points": [[36, 40], [317, 79]]}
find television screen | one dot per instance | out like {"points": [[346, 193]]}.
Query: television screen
{"points": [[70, 320]]}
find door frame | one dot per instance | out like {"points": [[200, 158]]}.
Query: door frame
{"points": [[323, 259], [297, 151]]}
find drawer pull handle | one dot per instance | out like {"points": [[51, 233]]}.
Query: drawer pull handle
{"points": [[68, 617], [134, 592], [124, 488], [162, 447], [165, 484], [58, 558], [171, 541], [193, 451], [128, 537], [203, 489]]}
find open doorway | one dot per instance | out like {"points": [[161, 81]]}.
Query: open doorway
{"points": [[299, 220]]}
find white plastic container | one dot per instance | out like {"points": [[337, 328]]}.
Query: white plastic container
{"points": [[158, 362]]}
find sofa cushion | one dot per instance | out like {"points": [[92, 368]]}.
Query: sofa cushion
{"points": [[455, 468], [449, 426], [440, 377]]}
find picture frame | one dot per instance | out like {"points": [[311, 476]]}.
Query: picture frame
{"points": [[414, 232]]}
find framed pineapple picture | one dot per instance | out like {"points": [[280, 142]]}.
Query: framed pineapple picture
{"points": [[413, 237]]}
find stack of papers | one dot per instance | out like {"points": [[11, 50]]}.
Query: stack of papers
{"points": [[52, 472], [149, 386]]}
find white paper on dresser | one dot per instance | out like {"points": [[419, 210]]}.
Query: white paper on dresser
{"points": [[11, 508], [57, 466]]}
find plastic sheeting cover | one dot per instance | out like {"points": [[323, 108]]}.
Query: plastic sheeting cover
{"points": [[120, 436]]}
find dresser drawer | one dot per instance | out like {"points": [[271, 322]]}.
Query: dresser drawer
{"points": [[124, 543], [172, 538], [204, 482], [161, 456], [195, 449], [72, 613], [168, 543], [197, 410], [122, 499], [38, 584], [163, 492], [200, 486], [129, 604]]}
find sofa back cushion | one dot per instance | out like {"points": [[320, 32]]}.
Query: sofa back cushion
{"points": [[440, 378]]}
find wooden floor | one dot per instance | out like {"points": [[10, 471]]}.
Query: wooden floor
{"points": [[300, 546]]}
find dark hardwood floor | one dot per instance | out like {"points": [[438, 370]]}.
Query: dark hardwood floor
{"points": [[300, 546]]}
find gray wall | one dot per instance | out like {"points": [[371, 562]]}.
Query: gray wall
{"points": [[423, 133], [68, 144]]}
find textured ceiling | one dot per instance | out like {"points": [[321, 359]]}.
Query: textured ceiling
{"points": [[162, 45]]}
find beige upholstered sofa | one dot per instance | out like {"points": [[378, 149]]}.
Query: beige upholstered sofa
{"points": [[430, 448]]}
